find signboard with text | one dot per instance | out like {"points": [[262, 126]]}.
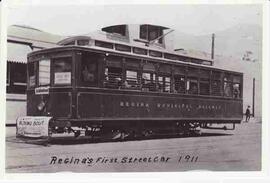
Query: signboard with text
{"points": [[30, 126]]}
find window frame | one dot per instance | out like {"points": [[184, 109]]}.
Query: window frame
{"points": [[53, 60], [147, 37]]}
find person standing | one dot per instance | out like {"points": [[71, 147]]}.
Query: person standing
{"points": [[247, 114]]}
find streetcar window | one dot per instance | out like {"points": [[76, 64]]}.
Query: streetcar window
{"points": [[192, 81], [204, 82], [117, 29], [150, 32], [155, 53], [31, 74], [148, 81], [62, 70], [164, 83], [171, 56], [113, 77], [139, 51], [216, 84], [179, 80], [121, 47], [44, 72], [179, 84], [227, 85], [236, 90], [89, 69], [83, 42], [237, 87], [131, 80], [148, 77], [192, 85], [164, 80], [103, 44]]}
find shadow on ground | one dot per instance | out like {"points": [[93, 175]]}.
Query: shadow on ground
{"points": [[88, 140]]}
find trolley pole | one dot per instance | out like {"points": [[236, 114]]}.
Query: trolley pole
{"points": [[213, 46], [253, 97]]}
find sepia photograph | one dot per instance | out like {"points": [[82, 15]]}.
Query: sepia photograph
{"points": [[133, 87]]}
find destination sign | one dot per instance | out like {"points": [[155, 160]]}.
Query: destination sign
{"points": [[42, 90]]}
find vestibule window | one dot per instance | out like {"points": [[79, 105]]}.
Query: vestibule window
{"points": [[89, 69], [62, 70], [44, 72]]}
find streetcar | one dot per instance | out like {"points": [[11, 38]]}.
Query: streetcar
{"points": [[89, 87]]}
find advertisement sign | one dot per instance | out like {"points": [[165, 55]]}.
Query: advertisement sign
{"points": [[62, 78], [30, 126]]}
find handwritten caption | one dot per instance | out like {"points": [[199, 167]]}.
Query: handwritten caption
{"points": [[55, 160]]}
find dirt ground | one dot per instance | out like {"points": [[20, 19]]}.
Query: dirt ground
{"points": [[216, 150]]}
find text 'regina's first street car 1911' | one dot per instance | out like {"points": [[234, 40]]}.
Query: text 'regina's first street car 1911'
{"points": [[94, 86]]}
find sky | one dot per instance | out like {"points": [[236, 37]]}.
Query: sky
{"points": [[67, 19]]}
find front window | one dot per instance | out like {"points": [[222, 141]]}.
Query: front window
{"points": [[44, 72], [62, 71]]}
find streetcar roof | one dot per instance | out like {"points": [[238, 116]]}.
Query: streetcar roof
{"points": [[98, 37], [100, 49]]}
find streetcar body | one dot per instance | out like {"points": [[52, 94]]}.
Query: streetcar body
{"points": [[114, 87]]}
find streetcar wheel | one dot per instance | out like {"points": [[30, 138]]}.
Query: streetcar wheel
{"points": [[147, 133], [77, 133]]}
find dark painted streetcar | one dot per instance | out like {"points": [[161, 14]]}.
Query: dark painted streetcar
{"points": [[107, 87]]}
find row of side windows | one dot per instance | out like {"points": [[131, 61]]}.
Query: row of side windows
{"points": [[149, 76], [192, 81]]}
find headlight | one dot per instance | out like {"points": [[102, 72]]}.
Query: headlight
{"points": [[41, 106]]}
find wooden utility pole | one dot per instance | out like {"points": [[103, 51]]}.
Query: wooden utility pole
{"points": [[253, 98], [213, 46]]}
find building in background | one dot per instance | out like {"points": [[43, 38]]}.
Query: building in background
{"points": [[21, 40]]}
